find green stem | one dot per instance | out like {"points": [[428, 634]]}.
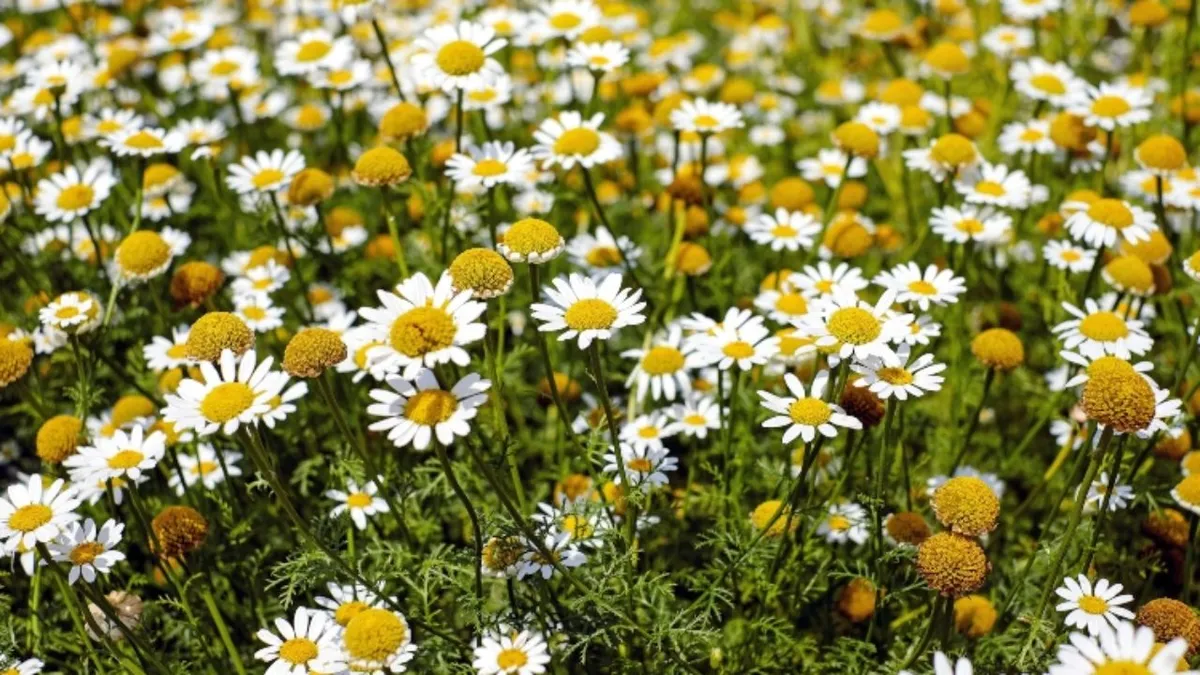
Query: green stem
{"points": [[974, 423], [476, 528], [222, 629]]}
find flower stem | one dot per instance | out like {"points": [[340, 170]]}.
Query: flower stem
{"points": [[222, 629], [974, 423], [476, 529], [535, 290]]}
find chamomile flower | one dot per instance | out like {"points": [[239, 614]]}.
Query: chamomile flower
{"points": [[1111, 106], [262, 280], [307, 645], [895, 376], [663, 369], [784, 230], [569, 139], [257, 312], [603, 57], [844, 523], [646, 466], [740, 340], [831, 166], [1119, 498], [122, 455], [143, 142], [587, 310], [648, 430], [240, 392], [73, 313], [416, 412], [421, 325], [88, 549], [1067, 256], [855, 327], [696, 416], [1119, 646], [32, 513], [458, 56], [1041, 80], [558, 549], [511, 652], [823, 280], [996, 185], [785, 305], [377, 641], [16, 666], [495, 163], [704, 117], [1104, 222], [1095, 331], [805, 413], [205, 468], [1019, 138], [933, 287], [360, 503], [969, 223], [600, 252], [313, 50], [74, 193], [265, 172], [564, 19]]}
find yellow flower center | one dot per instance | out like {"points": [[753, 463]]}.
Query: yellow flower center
{"points": [[489, 167], [298, 651], [86, 553], [1110, 106], [590, 314], [267, 178], [30, 517], [1093, 604], [1103, 327], [854, 325], [460, 57], [923, 287], [226, 401], [895, 375], [75, 197], [969, 226], [809, 411], [662, 361], [639, 464], [990, 187], [313, 50], [422, 330], [431, 407], [783, 231], [1048, 83], [203, 468], [348, 610], [696, 420], [839, 523], [738, 349], [144, 140], [66, 312], [792, 303], [578, 526], [358, 500], [1111, 212], [254, 312], [1032, 135], [1121, 668], [374, 635], [143, 252], [707, 122], [223, 68], [565, 21], [1070, 255], [603, 256], [577, 141], [125, 459], [953, 150]]}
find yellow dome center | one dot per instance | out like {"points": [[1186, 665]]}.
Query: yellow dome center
{"points": [[895, 375], [86, 553], [224, 68], [854, 325], [923, 287], [577, 141], [603, 256], [313, 50], [226, 401], [125, 459], [590, 314], [144, 140], [639, 464], [990, 187], [489, 167], [565, 21], [431, 407], [1110, 106], [348, 610], [953, 150], [143, 252], [792, 303], [422, 330], [1103, 327], [809, 411], [75, 197], [662, 361], [739, 349], [267, 178], [1051, 84], [298, 651], [1093, 604], [783, 231], [1111, 212], [1121, 668], [30, 517], [374, 635], [460, 57], [358, 500]]}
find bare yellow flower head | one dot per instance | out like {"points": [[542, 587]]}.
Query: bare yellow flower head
{"points": [[215, 332], [132, 407], [1161, 153], [692, 259], [998, 348], [310, 186], [947, 59], [374, 635], [967, 506], [381, 166], [403, 121], [195, 281], [1170, 619], [531, 240], [847, 236], [856, 138], [974, 616], [15, 358], [952, 565], [179, 530], [856, 600], [58, 437], [1129, 274], [764, 512], [482, 271], [1117, 396], [313, 350], [143, 254]]}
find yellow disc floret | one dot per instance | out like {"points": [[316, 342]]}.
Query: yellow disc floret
{"points": [[313, 350], [966, 505], [215, 332]]}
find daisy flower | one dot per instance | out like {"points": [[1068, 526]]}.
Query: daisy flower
{"points": [[495, 163], [205, 468], [1091, 608], [265, 172], [895, 376], [882, 118], [558, 549], [73, 194], [645, 465], [704, 117], [31, 513], [785, 230], [143, 142], [648, 430], [1100, 223], [855, 327], [934, 287], [826, 280], [1121, 646], [784, 306], [565, 19], [421, 325], [969, 223], [1041, 80], [601, 251], [415, 412], [1111, 106], [358, 502], [73, 312], [313, 50], [1018, 138], [257, 311], [122, 455], [1096, 331], [569, 140], [451, 57], [262, 280], [239, 393], [744, 342], [88, 550], [696, 416], [845, 522], [380, 644], [830, 166], [603, 57], [509, 652], [1119, 499], [17, 667], [995, 184], [663, 368], [804, 413], [587, 310], [1067, 256], [308, 645]]}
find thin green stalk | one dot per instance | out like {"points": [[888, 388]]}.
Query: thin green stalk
{"points": [[597, 368], [974, 423], [222, 629], [476, 528]]}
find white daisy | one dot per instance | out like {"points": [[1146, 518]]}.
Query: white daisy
{"points": [[804, 413], [31, 513], [451, 57], [855, 327], [1067, 256], [969, 223], [313, 50], [894, 376], [569, 140], [265, 172], [696, 416], [87, 549], [603, 57], [934, 287], [825, 280], [1096, 331], [705, 117], [1040, 80], [308, 645], [845, 522], [495, 163], [830, 166], [1033, 136], [739, 340], [784, 230], [1119, 499], [645, 465], [509, 652], [239, 393], [663, 368], [415, 412], [122, 455], [1111, 106], [1100, 223], [72, 194], [558, 549], [1120, 647], [995, 184], [588, 310], [143, 142], [205, 468], [360, 503]]}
